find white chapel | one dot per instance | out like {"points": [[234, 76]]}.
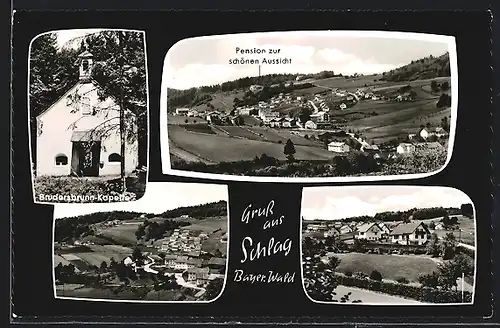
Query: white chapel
{"points": [[79, 134]]}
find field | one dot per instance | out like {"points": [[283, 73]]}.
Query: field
{"points": [[372, 82], [222, 100], [95, 256], [390, 266], [250, 120], [123, 234], [214, 242], [465, 224], [208, 225], [237, 131], [403, 118], [215, 148], [181, 120], [350, 84], [309, 91], [59, 259]]}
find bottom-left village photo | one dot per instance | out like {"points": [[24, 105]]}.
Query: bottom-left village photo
{"points": [[169, 246]]}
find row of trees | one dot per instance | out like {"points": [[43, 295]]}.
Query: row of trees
{"points": [[76, 227], [198, 211]]}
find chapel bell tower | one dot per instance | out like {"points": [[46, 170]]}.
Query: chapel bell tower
{"points": [[86, 63]]}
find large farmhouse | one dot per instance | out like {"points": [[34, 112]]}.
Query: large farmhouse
{"points": [[415, 233], [79, 133]]}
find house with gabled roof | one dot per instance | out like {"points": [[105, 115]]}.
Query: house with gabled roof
{"points": [[414, 233], [369, 231], [345, 229]]}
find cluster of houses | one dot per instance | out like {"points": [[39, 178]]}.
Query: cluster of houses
{"points": [[194, 270], [413, 233], [426, 133], [183, 241]]}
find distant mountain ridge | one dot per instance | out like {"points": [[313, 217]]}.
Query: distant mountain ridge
{"points": [[210, 209]]}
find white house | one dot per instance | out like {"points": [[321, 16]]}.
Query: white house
{"points": [[424, 133], [369, 231], [245, 110], [181, 111], [78, 134], [332, 232], [414, 233], [345, 229], [128, 261], [338, 147], [310, 125], [256, 88], [319, 117], [440, 132], [385, 229], [439, 226], [369, 148], [405, 148], [289, 122]]}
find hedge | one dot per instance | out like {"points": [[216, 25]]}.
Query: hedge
{"points": [[389, 248], [469, 252], [423, 294]]}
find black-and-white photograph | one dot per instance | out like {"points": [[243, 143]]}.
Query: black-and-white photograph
{"points": [[88, 116], [169, 246], [388, 245], [319, 104]]}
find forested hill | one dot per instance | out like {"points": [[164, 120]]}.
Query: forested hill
{"points": [[196, 96], [102, 217], [198, 211], [414, 213], [424, 68]]}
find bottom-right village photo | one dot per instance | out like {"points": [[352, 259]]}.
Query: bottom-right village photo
{"points": [[388, 245]]}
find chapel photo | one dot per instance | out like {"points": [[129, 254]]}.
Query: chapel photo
{"points": [[88, 116]]}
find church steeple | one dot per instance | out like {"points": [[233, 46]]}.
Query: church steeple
{"points": [[86, 63]]}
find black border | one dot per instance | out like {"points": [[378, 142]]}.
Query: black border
{"points": [[495, 193]]}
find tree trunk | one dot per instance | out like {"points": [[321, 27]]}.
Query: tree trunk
{"points": [[122, 123]]}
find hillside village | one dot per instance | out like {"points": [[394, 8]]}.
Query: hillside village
{"points": [[322, 122], [183, 258], [361, 117]]}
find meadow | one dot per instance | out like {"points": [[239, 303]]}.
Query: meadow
{"points": [[216, 148], [208, 225], [391, 267], [94, 256], [123, 234], [222, 100]]}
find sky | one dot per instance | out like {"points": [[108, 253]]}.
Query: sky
{"points": [[203, 61], [158, 198], [333, 203], [64, 36]]}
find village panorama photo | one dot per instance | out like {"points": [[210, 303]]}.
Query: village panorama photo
{"points": [[169, 246], [309, 106], [388, 245], [88, 116]]}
